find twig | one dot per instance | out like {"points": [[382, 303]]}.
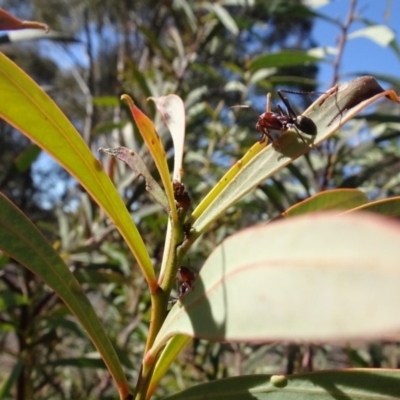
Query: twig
{"points": [[342, 42], [336, 65]]}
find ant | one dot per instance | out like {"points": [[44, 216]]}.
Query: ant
{"points": [[186, 277], [282, 121]]}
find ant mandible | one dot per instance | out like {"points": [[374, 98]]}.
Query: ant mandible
{"points": [[282, 121]]}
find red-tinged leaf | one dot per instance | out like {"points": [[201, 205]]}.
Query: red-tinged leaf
{"points": [[153, 142], [9, 22], [318, 277]]}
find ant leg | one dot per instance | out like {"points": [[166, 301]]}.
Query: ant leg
{"points": [[184, 288], [280, 110], [289, 108], [264, 135], [301, 137], [299, 134]]}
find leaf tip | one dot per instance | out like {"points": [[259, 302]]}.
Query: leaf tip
{"points": [[128, 99], [35, 25]]}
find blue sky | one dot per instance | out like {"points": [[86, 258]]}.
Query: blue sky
{"points": [[360, 54]]}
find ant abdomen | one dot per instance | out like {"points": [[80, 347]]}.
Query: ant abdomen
{"points": [[306, 125]]}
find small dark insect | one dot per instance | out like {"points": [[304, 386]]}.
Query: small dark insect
{"points": [[181, 196], [281, 121], [187, 277]]}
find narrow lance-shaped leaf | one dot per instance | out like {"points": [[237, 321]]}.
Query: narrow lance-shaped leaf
{"points": [[223, 15], [20, 239], [30, 110], [171, 351], [338, 199], [153, 142], [282, 59], [389, 207]]}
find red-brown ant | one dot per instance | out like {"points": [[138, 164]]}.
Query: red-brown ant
{"points": [[281, 121], [186, 278]]}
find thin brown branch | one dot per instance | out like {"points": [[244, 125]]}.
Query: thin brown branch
{"points": [[336, 65], [342, 42]]}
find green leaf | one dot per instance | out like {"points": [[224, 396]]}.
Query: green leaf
{"points": [[21, 163], [338, 199], [285, 58], [21, 240], [28, 108], [79, 362], [106, 101], [223, 15], [374, 117], [389, 207], [307, 278], [96, 277], [173, 348], [357, 384], [27, 157]]}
